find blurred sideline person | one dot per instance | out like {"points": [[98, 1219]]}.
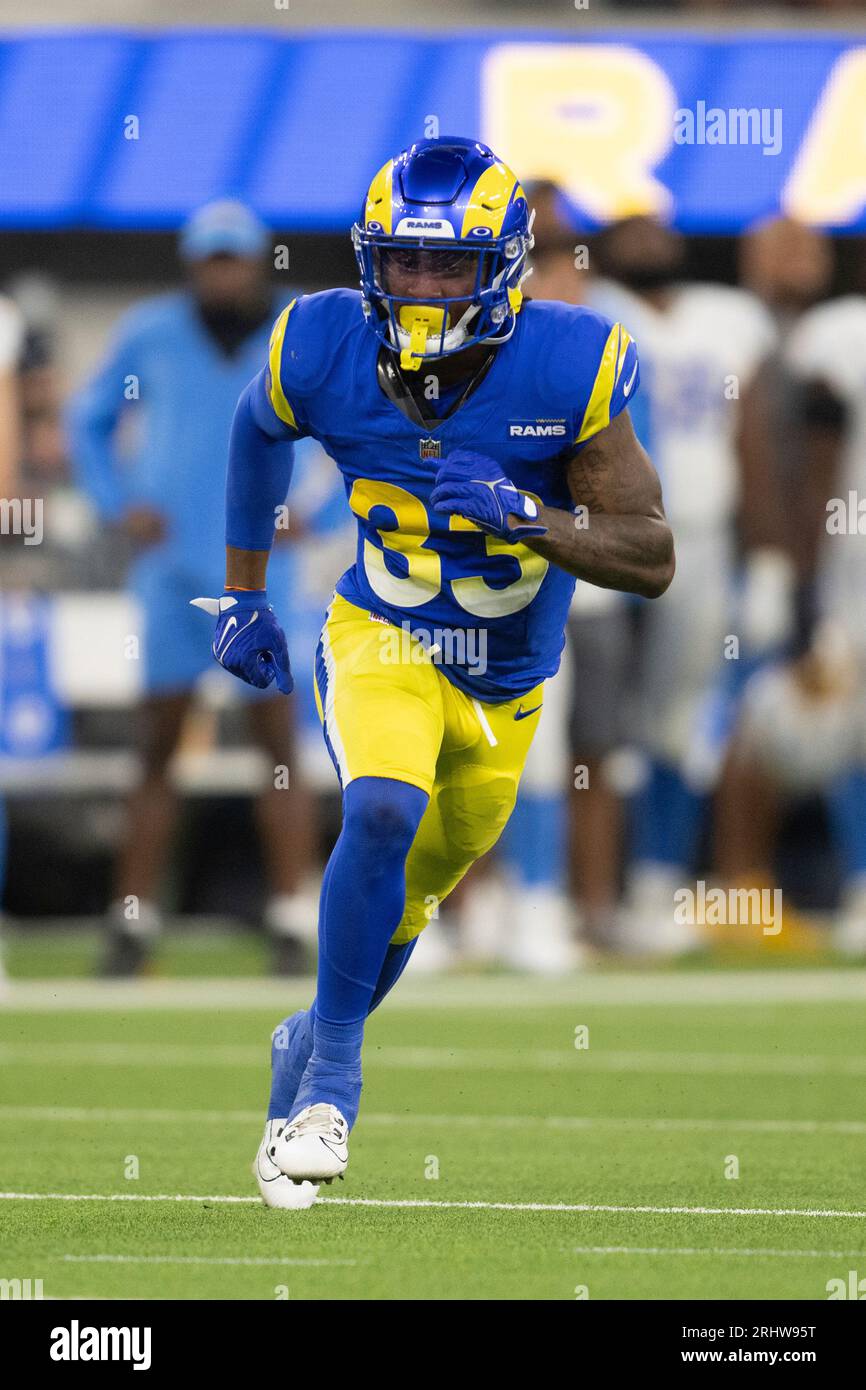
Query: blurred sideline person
{"points": [[172, 378], [11, 340], [803, 726], [790, 267], [559, 860], [703, 345]]}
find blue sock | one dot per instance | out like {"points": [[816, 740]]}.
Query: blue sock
{"points": [[362, 903], [292, 1041]]}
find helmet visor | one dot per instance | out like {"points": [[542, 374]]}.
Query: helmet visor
{"points": [[412, 272]]}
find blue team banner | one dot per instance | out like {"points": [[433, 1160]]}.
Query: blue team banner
{"points": [[130, 130]]}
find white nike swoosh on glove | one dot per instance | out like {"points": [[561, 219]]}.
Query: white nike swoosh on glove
{"points": [[225, 645]]}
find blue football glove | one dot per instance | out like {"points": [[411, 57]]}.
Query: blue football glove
{"points": [[248, 640], [475, 487]]}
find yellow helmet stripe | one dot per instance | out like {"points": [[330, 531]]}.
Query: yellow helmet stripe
{"points": [[282, 409], [490, 199], [379, 207], [597, 414]]}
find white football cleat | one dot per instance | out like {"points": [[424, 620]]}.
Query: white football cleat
{"points": [[277, 1190], [314, 1147]]}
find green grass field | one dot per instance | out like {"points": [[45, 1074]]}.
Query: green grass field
{"points": [[492, 1158]]}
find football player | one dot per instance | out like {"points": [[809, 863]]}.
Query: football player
{"points": [[143, 452], [703, 345], [489, 459], [803, 725]]}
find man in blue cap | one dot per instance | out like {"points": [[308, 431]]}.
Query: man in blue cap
{"points": [[148, 434]]}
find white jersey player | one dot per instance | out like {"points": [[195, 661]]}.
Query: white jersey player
{"points": [[803, 726], [702, 346]]}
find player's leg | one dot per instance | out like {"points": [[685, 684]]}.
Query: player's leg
{"points": [[477, 775], [847, 804], [285, 815], [383, 723], [134, 918], [600, 648], [681, 657], [537, 932], [174, 653]]}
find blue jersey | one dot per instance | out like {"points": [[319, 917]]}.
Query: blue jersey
{"points": [[563, 375], [150, 427]]}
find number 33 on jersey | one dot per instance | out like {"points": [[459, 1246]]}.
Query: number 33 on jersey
{"points": [[565, 374]]}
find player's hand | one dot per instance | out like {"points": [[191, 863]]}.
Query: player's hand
{"points": [[248, 640], [475, 487], [144, 525]]}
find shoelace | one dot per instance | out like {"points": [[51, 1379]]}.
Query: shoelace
{"points": [[319, 1119]]}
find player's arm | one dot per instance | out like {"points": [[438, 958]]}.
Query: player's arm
{"points": [[248, 640], [261, 457], [823, 419], [766, 608], [618, 537], [92, 418]]}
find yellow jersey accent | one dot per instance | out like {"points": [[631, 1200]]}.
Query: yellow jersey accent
{"points": [[281, 406], [597, 414], [490, 200], [378, 207]]}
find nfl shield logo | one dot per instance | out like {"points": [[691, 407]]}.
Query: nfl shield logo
{"points": [[430, 448]]}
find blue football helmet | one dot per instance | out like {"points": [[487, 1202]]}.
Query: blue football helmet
{"points": [[446, 205]]}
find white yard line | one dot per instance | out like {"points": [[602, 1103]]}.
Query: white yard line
{"points": [[590, 1208], [49, 1114], [649, 987], [714, 1250], [430, 1204], [65, 1054], [197, 1260]]}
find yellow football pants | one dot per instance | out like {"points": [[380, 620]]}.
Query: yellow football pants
{"points": [[388, 711]]}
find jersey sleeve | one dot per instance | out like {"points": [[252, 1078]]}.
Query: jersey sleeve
{"points": [[828, 345], [610, 376], [277, 397]]}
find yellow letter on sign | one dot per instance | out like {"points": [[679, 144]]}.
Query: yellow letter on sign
{"points": [[828, 180], [594, 118]]}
